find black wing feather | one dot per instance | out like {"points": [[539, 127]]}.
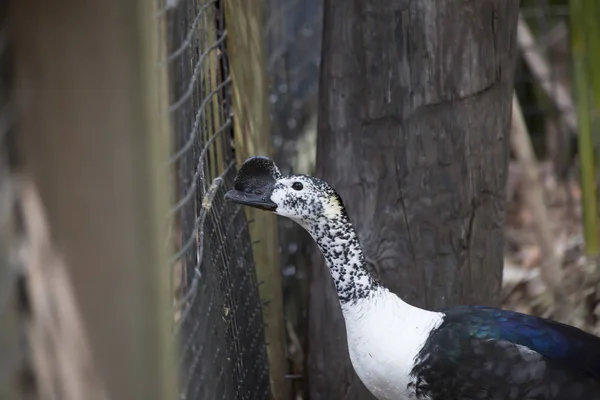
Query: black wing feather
{"points": [[470, 357]]}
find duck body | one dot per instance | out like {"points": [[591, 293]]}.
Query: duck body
{"points": [[402, 352], [489, 353], [472, 353]]}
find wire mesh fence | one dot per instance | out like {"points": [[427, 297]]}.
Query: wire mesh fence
{"points": [[218, 311]]}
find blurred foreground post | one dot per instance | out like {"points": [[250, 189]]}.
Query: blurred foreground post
{"points": [[415, 106], [9, 322], [94, 135]]}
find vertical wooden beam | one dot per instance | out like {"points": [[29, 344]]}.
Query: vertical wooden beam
{"points": [[94, 139], [212, 114], [414, 118], [252, 137]]}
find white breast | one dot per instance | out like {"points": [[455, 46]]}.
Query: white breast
{"points": [[384, 336]]}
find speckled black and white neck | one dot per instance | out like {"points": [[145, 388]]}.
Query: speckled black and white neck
{"points": [[325, 218], [375, 317]]}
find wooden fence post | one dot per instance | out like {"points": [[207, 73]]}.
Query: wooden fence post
{"points": [[92, 130], [252, 137], [414, 118]]}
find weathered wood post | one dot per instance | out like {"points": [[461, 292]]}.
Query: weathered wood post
{"points": [[252, 137], [415, 105], [94, 135]]}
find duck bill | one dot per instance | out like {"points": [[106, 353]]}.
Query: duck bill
{"points": [[254, 182], [261, 201]]}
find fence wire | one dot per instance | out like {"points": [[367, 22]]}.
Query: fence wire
{"points": [[218, 311]]}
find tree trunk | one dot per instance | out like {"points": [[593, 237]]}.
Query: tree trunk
{"points": [[415, 106]]}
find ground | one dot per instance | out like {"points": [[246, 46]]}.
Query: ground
{"points": [[523, 288]]}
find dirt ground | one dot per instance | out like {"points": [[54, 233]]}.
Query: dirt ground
{"points": [[523, 287]]}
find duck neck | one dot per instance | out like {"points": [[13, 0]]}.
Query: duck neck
{"points": [[343, 254]]}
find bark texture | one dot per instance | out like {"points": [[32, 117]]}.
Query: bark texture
{"points": [[415, 107]]}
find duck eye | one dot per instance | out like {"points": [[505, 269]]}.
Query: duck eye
{"points": [[297, 186]]}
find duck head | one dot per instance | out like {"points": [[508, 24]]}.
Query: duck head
{"points": [[302, 198]]}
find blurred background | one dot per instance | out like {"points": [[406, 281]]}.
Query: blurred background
{"points": [[125, 275]]}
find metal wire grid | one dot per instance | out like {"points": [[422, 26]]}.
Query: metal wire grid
{"points": [[218, 313]]}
